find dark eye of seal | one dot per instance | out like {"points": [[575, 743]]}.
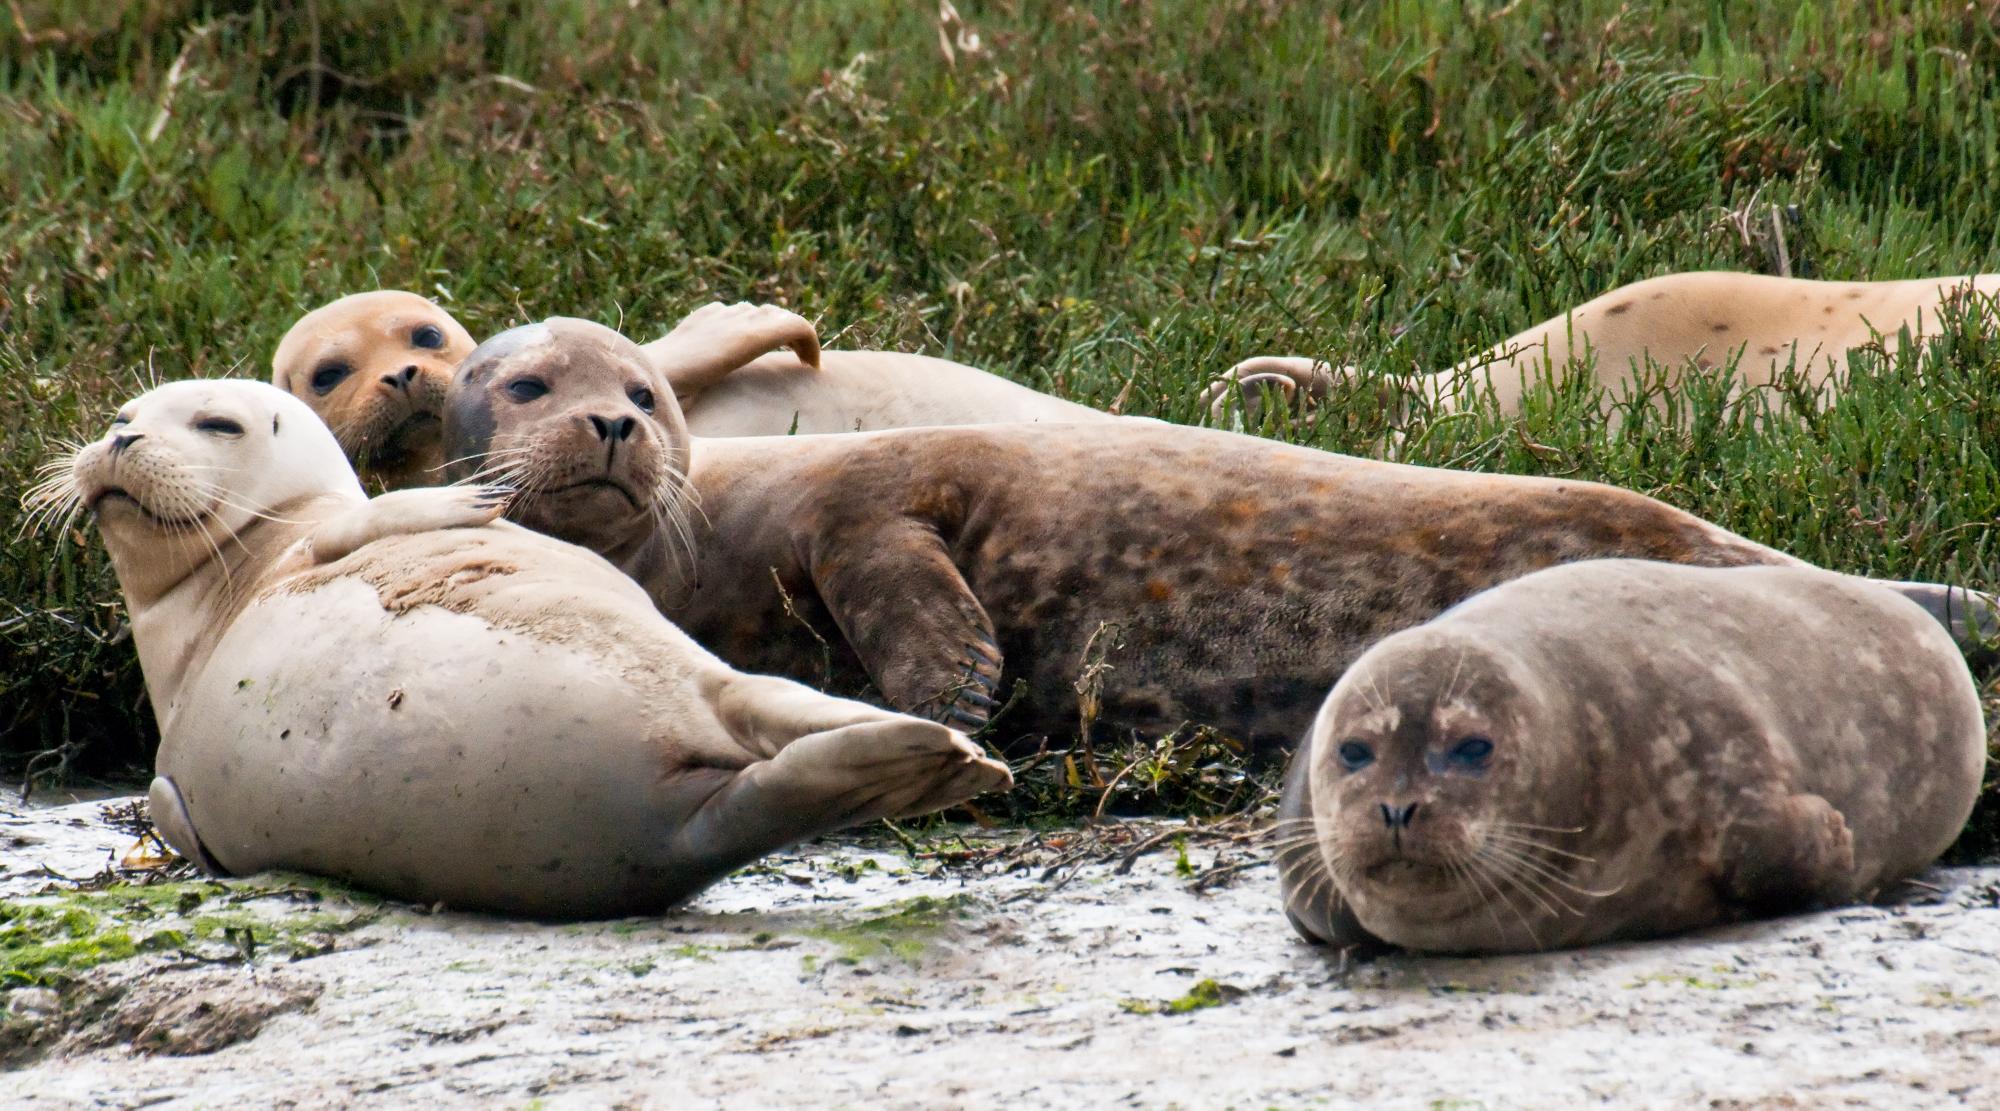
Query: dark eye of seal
{"points": [[1354, 755], [328, 376], [527, 389], [427, 336], [218, 426], [642, 397], [1472, 752]]}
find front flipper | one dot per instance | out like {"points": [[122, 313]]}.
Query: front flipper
{"points": [[406, 511], [175, 825], [891, 768], [1786, 854], [906, 611], [715, 340]]}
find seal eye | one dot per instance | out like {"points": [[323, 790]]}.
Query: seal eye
{"points": [[427, 336], [1354, 755], [218, 426], [527, 389], [328, 376], [1472, 752], [643, 398]]}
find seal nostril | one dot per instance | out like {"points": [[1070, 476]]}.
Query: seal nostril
{"points": [[626, 427], [124, 440], [1409, 814], [1388, 816], [409, 375], [602, 426]]}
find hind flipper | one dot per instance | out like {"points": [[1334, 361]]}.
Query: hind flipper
{"points": [[821, 782], [1972, 617], [175, 826]]}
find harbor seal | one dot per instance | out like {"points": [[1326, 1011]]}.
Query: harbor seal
{"points": [[374, 367], [400, 694], [1134, 575], [1704, 319], [1618, 749]]}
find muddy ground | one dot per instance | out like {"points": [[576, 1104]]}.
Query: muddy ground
{"points": [[1145, 964]]}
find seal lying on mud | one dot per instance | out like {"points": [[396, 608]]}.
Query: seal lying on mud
{"points": [[375, 367], [1617, 749], [1706, 318], [1137, 574], [481, 716]]}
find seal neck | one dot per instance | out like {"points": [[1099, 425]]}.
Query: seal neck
{"points": [[176, 625]]}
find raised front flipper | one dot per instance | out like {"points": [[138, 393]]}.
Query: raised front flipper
{"points": [[716, 339], [906, 611], [1786, 854], [892, 768], [406, 511]]}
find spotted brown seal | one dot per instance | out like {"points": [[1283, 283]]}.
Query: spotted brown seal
{"points": [[1137, 575]]}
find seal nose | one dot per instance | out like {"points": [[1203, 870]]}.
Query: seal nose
{"points": [[1396, 818], [401, 380], [124, 440], [614, 431]]}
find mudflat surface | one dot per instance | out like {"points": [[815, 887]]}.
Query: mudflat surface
{"points": [[992, 969]]}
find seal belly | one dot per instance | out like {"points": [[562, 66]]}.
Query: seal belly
{"points": [[426, 754]]}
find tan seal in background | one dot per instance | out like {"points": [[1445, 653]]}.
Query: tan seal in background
{"points": [[396, 693], [1136, 575], [374, 366], [1704, 319], [1618, 748]]}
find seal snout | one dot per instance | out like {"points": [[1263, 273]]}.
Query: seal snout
{"points": [[613, 430], [400, 380]]}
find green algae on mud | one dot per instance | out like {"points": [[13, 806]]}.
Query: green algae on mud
{"points": [[903, 933], [46, 940]]}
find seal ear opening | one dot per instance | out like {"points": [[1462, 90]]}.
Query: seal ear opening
{"points": [[170, 818]]}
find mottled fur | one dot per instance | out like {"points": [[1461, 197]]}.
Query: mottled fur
{"points": [[1671, 747], [1224, 580]]}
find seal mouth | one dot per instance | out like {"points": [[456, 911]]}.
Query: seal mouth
{"points": [[121, 497], [590, 484], [1407, 873]]}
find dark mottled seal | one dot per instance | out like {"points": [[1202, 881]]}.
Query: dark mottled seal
{"points": [[1140, 575], [1618, 749]]}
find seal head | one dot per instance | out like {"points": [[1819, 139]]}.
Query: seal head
{"points": [[186, 467], [1432, 774], [573, 416], [375, 367]]}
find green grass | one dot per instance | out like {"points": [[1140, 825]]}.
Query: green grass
{"points": [[1102, 194]]}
